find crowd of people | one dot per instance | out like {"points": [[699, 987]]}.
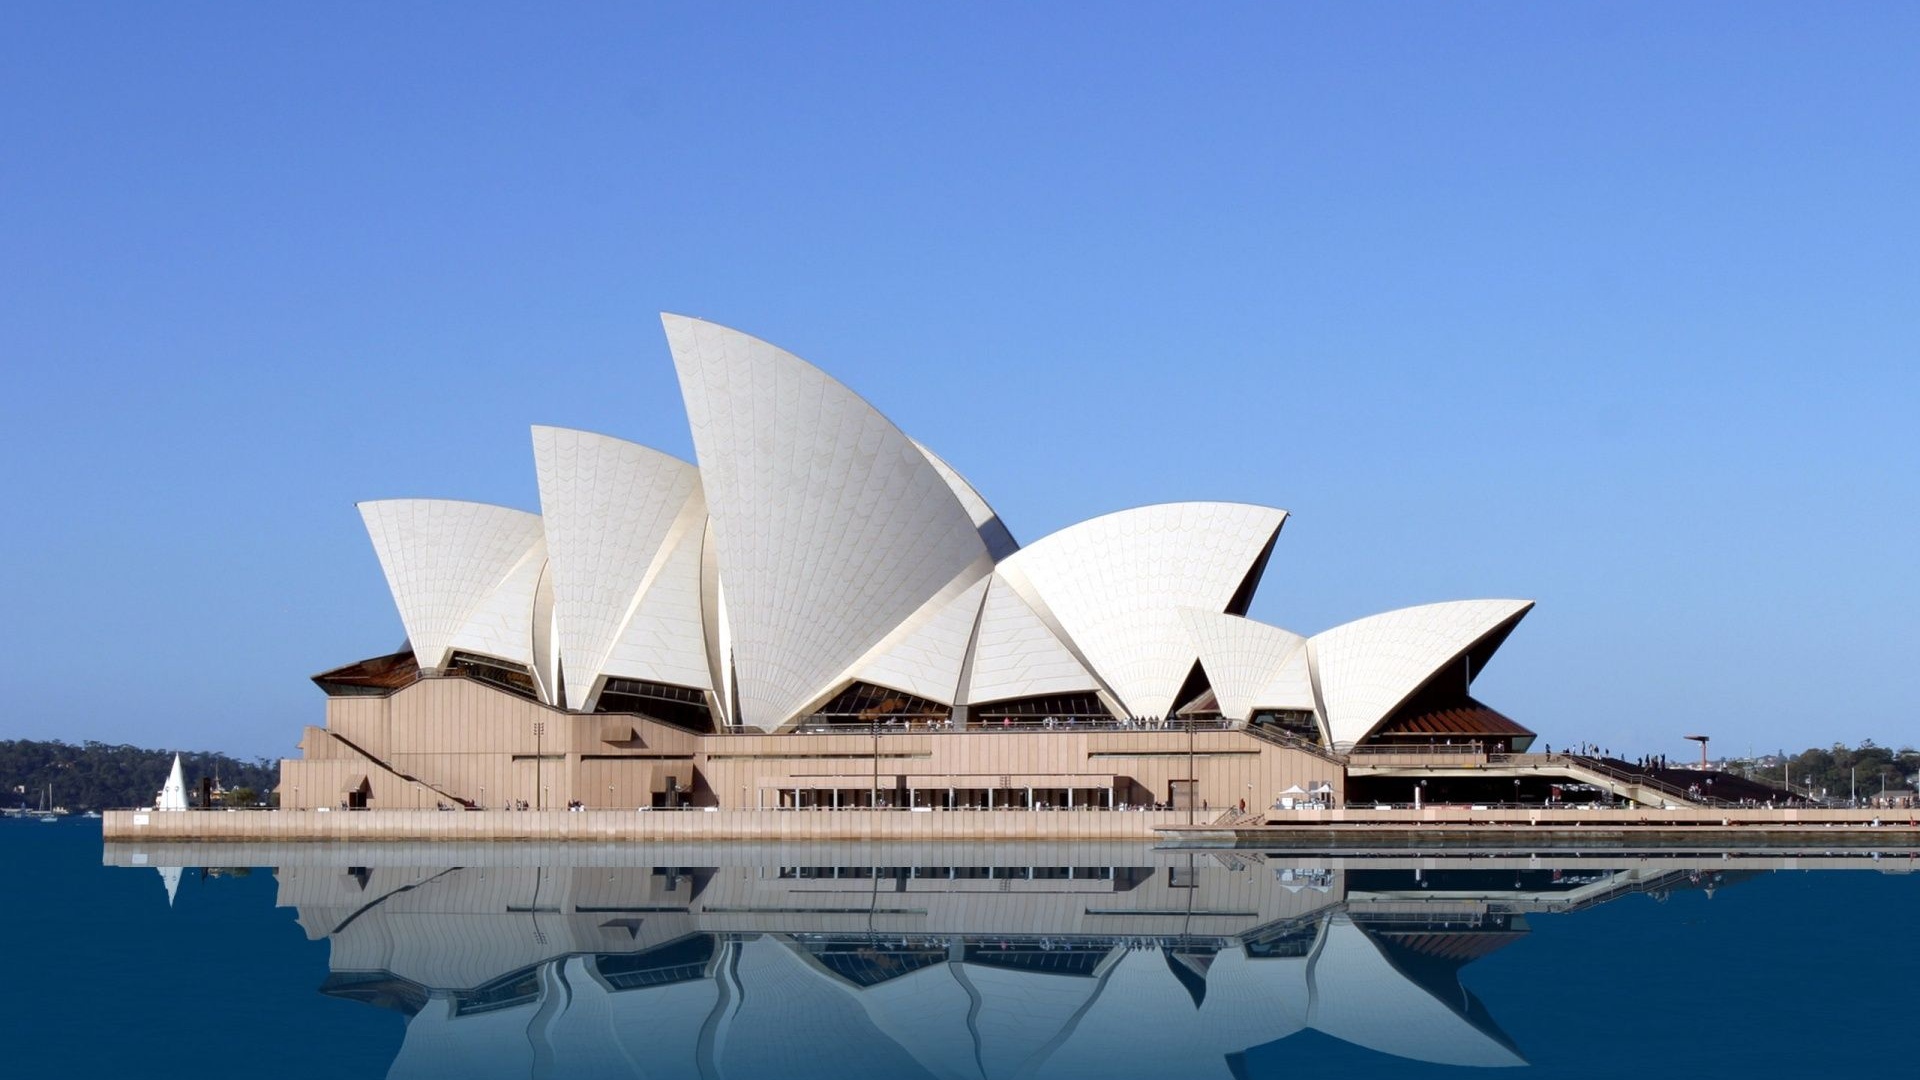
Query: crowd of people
{"points": [[895, 725]]}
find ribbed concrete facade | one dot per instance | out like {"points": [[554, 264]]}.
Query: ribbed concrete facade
{"points": [[447, 741]]}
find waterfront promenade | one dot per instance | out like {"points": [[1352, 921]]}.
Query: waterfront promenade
{"points": [[642, 826], [1624, 828], [1350, 827]]}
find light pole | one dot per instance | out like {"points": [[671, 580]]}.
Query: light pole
{"points": [[1702, 740], [1193, 777], [539, 730]]}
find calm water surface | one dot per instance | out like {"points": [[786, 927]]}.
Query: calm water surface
{"points": [[961, 962]]}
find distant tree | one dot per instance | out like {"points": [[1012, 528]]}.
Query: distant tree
{"points": [[97, 775], [1841, 770]]}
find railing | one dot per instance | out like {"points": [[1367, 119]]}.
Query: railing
{"points": [[983, 727], [1293, 742], [1457, 753], [1643, 780], [1624, 776], [1429, 757]]}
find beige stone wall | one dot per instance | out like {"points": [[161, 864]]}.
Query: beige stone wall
{"points": [[467, 739], [682, 826], [1140, 766], [1811, 828], [326, 781]]}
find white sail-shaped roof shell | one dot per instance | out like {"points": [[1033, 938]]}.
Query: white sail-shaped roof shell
{"points": [[993, 531], [664, 638], [1115, 585], [1365, 669], [1015, 654], [1291, 687], [502, 625], [831, 527], [718, 637], [444, 560], [818, 545], [1249, 664], [610, 509], [925, 655]]}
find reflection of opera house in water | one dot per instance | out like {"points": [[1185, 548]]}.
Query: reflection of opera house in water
{"points": [[954, 962]]}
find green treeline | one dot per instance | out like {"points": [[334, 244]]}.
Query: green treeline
{"points": [[96, 776], [1835, 774]]}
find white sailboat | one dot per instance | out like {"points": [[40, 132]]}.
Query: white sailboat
{"points": [[174, 795], [48, 813]]}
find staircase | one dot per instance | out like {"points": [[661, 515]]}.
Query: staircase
{"points": [[1634, 787], [464, 803], [1291, 742], [1637, 787]]}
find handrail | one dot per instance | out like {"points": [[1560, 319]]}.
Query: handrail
{"points": [[1591, 764], [1438, 749], [1025, 727], [1657, 784], [1290, 742]]}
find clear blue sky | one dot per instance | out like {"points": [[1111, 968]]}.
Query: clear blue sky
{"points": [[1613, 307]]}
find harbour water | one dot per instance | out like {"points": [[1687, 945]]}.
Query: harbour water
{"points": [[974, 961]]}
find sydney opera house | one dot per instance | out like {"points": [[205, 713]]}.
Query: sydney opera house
{"points": [[822, 612]]}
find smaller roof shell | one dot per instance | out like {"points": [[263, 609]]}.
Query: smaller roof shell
{"points": [[1115, 585], [612, 511], [444, 559], [1249, 664], [993, 532], [1016, 655], [1367, 668]]}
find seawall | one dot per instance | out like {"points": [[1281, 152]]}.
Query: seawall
{"points": [[602, 826], [1464, 828], [1431, 827]]}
